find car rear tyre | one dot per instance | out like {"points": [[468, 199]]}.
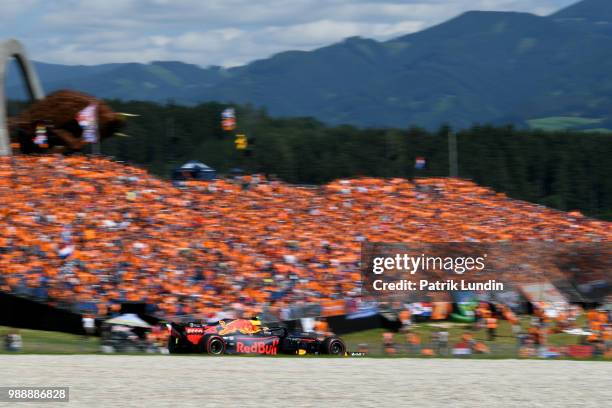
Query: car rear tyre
{"points": [[333, 346], [213, 345]]}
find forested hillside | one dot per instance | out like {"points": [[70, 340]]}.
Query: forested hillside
{"points": [[563, 170]]}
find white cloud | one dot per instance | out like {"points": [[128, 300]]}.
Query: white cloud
{"points": [[219, 32], [14, 8]]}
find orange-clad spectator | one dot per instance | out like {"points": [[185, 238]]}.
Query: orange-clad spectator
{"points": [[89, 233], [603, 317], [491, 323], [528, 350], [511, 317], [594, 336], [481, 348], [595, 325], [388, 343], [607, 335], [428, 352], [440, 310], [413, 341], [322, 327], [405, 317]]}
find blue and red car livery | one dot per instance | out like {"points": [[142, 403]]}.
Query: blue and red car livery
{"points": [[242, 336]]}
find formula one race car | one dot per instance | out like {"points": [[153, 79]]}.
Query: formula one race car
{"points": [[243, 336]]}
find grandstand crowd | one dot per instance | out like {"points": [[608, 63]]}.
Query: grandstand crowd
{"points": [[90, 233]]}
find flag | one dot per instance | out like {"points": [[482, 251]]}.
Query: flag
{"points": [[66, 251], [41, 135], [87, 119], [89, 134], [241, 142], [420, 163], [228, 113], [228, 124], [87, 116], [228, 119]]}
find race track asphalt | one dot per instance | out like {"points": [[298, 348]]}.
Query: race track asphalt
{"points": [[196, 381]]}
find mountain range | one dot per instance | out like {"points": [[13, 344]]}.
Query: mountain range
{"points": [[480, 67]]}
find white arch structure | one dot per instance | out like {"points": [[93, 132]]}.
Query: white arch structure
{"points": [[13, 49]]}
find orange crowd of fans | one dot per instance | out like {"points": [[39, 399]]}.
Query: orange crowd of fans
{"points": [[89, 231]]}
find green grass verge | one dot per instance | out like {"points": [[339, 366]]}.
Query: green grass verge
{"points": [[48, 342], [504, 346]]}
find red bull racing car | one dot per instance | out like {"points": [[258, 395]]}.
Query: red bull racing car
{"points": [[242, 336]]}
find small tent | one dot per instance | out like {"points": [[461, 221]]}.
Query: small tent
{"points": [[128, 319], [194, 170]]}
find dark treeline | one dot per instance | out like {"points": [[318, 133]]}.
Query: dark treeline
{"points": [[563, 170]]}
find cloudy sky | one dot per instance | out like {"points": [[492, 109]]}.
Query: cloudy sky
{"points": [[219, 32]]}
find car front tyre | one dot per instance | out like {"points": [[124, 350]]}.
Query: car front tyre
{"points": [[333, 346]]}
